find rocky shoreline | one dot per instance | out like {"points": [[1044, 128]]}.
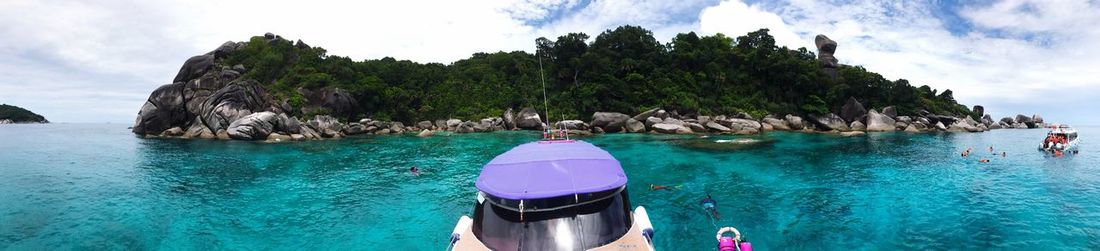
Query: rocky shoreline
{"points": [[209, 99]]}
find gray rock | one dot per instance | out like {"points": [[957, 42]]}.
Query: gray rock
{"points": [[1020, 126], [194, 67], [425, 133], [904, 119], [509, 119], [853, 133], [669, 128], [877, 122], [173, 132], [465, 127], [276, 137], [634, 126], [674, 121], [857, 126], [609, 121], [424, 125], [852, 110], [777, 124], [233, 102], [572, 125], [695, 127], [164, 109], [661, 114], [529, 119], [890, 111], [453, 124], [766, 127], [649, 122], [979, 111], [795, 122], [1008, 120], [987, 120], [829, 122], [715, 126], [1020, 118], [297, 137], [825, 49], [646, 114], [911, 128], [256, 126], [940, 126]]}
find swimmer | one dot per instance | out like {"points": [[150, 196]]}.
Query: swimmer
{"points": [[990, 148], [709, 205], [983, 161], [415, 171], [1004, 154], [660, 187]]}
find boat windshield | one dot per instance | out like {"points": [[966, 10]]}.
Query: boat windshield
{"points": [[587, 225]]}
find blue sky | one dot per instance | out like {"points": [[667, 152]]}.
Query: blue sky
{"points": [[81, 61]]}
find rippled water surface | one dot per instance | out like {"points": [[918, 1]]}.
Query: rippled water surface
{"points": [[74, 186]]}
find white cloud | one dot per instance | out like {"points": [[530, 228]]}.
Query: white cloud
{"points": [[97, 61], [734, 18]]}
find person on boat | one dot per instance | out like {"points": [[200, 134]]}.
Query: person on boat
{"points": [[1048, 141], [415, 171], [653, 187], [711, 205]]}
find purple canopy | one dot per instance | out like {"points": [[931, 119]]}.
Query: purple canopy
{"points": [[547, 169]]}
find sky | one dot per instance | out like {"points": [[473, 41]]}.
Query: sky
{"points": [[98, 61]]}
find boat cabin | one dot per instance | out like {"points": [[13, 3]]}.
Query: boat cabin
{"points": [[552, 195]]}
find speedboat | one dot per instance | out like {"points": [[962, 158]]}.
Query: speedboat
{"points": [[1053, 144], [553, 195]]}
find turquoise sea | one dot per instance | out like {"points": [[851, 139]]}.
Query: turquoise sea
{"points": [[98, 187]]}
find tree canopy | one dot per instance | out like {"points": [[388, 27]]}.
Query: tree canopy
{"points": [[623, 69]]}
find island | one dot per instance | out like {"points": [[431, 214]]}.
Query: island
{"points": [[10, 114], [272, 88]]}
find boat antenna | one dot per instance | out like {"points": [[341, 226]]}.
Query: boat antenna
{"points": [[542, 78]]}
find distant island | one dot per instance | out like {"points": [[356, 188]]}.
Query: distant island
{"points": [[10, 114], [259, 89]]}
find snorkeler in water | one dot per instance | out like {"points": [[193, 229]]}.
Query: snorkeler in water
{"points": [[710, 205], [415, 171]]}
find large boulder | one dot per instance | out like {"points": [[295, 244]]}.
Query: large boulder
{"points": [[509, 118], [878, 122], [979, 111], [940, 126], [1020, 118], [696, 127], [825, 49], [1008, 120], [164, 109], [427, 125], [777, 124], [857, 126], [649, 122], [571, 125], [715, 126], [233, 102], [529, 119], [194, 67], [634, 126], [646, 114], [1037, 120], [829, 122], [327, 126], [795, 122], [671, 129], [890, 111], [256, 126], [987, 120], [609, 121], [852, 110]]}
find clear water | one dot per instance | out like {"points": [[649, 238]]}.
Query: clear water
{"points": [[66, 186]]}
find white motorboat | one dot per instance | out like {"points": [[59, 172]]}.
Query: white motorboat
{"points": [[1061, 138]]}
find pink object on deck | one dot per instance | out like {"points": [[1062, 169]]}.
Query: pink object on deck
{"points": [[727, 244], [746, 246]]}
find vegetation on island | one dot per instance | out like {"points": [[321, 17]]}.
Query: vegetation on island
{"points": [[17, 114], [623, 70]]}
